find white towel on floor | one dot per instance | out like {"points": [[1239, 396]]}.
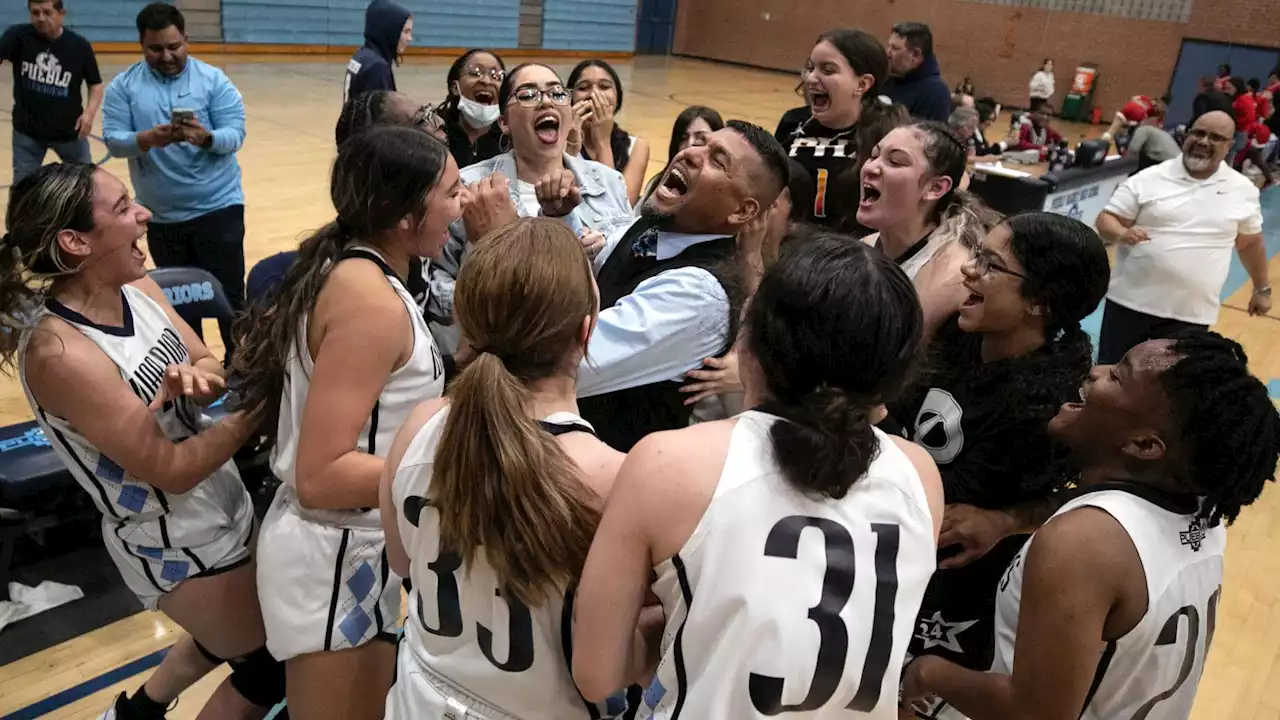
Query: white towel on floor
{"points": [[26, 601]]}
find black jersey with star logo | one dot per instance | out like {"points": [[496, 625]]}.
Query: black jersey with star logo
{"points": [[986, 426]]}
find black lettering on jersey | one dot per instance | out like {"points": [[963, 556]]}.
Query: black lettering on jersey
{"points": [[145, 380], [821, 146]]}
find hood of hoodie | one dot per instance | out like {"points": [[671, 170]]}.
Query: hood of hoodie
{"points": [[927, 68], [383, 21]]}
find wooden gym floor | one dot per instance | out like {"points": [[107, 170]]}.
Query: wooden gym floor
{"points": [[292, 104]]}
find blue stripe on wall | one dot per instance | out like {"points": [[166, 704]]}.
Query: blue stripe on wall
{"points": [[437, 23], [589, 25]]}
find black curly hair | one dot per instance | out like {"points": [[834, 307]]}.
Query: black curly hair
{"points": [[1228, 428]]}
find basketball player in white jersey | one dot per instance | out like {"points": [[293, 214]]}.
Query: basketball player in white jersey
{"points": [[792, 544], [491, 498], [1109, 610], [117, 380], [345, 356]]}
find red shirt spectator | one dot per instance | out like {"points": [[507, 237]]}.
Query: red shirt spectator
{"points": [[1031, 137], [1246, 111], [1265, 99], [1137, 109]]}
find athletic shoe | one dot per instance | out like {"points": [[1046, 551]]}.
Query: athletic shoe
{"points": [[117, 709]]}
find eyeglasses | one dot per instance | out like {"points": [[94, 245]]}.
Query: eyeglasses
{"points": [[983, 263], [475, 72], [428, 118], [1199, 134], [530, 96]]}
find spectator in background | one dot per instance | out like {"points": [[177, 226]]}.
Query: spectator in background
{"points": [[183, 169], [471, 111], [1041, 87], [1038, 134], [388, 30], [987, 112], [1209, 97], [965, 122], [914, 77], [965, 87], [1148, 140], [1272, 93], [1223, 81], [1245, 111], [597, 96], [1175, 225], [49, 65]]}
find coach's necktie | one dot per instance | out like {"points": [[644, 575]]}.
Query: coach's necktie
{"points": [[646, 244]]}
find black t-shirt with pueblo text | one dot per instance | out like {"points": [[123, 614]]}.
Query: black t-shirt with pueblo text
{"points": [[47, 75]]}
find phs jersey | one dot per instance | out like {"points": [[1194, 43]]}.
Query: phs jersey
{"points": [[158, 538], [1151, 672], [825, 154], [469, 648], [419, 379], [783, 603]]}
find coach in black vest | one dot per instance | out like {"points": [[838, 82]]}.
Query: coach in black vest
{"points": [[667, 293]]}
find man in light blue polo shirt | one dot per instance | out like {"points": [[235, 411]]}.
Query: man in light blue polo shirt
{"points": [[183, 164]]}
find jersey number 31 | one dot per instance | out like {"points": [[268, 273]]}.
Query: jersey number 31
{"points": [[837, 588]]}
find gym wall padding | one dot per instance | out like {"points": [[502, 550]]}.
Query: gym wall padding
{"points": [[589, 25]]}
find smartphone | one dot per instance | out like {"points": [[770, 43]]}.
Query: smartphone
{"points": [[181, 116]]}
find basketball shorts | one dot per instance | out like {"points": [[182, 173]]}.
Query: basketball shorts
{"points": [[323, 587], [205, 532], [420, 694]]}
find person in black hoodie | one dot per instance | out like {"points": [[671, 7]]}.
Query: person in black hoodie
{"points": [[998, 372], [914, 77], [388, 30]]}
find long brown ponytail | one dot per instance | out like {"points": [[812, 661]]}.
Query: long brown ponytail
{"points": [[500, 481]]}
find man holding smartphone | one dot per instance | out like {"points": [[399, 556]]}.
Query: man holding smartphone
{"points": [[50, 63], [180, 122]]}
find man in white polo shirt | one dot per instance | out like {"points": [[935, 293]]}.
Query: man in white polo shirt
{"points": [[1176, 224]]}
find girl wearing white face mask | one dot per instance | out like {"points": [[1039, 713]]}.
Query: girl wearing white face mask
{"points": [[471, 111]]}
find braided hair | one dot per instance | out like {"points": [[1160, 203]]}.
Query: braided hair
{"points": [[1228, 427], [360, 112]]}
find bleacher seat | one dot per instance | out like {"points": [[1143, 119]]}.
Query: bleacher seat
{"points": [[194, 293], [32, 478]]}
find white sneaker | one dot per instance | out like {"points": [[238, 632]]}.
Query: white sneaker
{"points": [[114, 712]]}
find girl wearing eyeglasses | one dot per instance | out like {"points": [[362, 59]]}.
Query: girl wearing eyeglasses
{"points": [[534, 177], [997, 373], [471, 111]]}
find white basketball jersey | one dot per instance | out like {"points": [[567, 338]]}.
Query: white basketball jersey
{"points": [[1152, 672], [783, 603], [421, 378], [474, 647], [155, 524]]}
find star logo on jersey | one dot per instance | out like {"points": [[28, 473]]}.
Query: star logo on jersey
{"points": [[937, 632], [1194, 535]]}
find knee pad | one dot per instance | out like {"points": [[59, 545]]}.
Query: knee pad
{"points": [[258, 677]]}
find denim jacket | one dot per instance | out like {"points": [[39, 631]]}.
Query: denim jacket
{"points": [[604, 207]]}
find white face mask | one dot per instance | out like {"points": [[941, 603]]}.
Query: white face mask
{"points": [[477, 115]]}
